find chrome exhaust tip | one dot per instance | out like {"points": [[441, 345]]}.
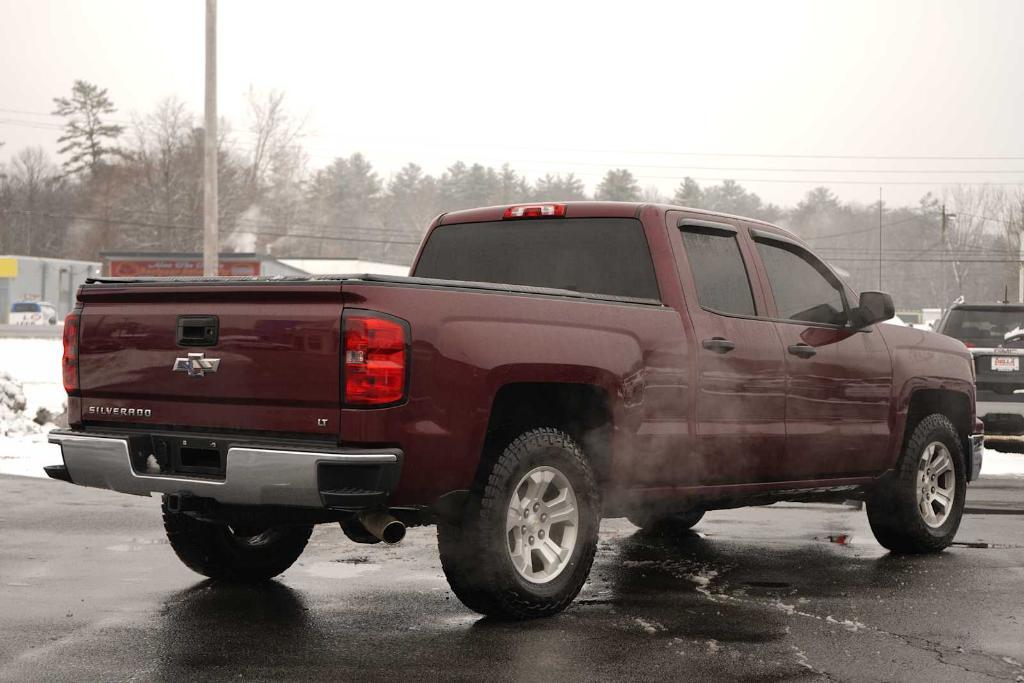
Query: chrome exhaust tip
{"points": [[383, 526]]}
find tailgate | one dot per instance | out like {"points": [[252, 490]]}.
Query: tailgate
{"points": [[271, 363]]}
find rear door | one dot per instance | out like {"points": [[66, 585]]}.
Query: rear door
{"points": [[839, 380], [741, 399]]}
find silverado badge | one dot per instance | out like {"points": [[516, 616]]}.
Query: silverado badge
{"points": [[196, 365]]}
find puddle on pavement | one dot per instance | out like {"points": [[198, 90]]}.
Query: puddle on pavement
{"points": [[778, 585], [136, 544], [593, 601], [339, 569], [983, 545], [838, 539]]}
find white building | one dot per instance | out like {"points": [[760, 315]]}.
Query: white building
{"points": [[31, 278]]}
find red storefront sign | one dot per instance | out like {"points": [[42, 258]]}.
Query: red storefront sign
{"points": [[131, 267]]}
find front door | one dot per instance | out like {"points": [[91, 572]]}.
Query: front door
{"points": [[839, 380], [739, 365]]}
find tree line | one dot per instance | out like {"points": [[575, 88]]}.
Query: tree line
{"points": [[137, 186]]}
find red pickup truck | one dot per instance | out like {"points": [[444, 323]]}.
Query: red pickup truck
{"points": [[544, 366]]}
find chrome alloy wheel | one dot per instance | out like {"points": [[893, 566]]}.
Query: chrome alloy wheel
{"points": [[541, 524], [936, 484]]}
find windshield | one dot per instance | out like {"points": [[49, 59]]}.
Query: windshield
{"points": [[24, 308], [983, 327]]}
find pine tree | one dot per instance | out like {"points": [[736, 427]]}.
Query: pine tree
{"points": [[689, 194], [87, 139], [512, 187], [618, 185], [556, 188]]}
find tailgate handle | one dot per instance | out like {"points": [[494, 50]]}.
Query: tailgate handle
{"points": [[197, 330]]}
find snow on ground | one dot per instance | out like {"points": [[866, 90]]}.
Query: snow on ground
{"points": [[36, 364], [996, 464], [34, 367], [27, 455]]}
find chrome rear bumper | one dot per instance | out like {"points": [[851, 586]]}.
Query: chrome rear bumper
{"points": [[252, 476]]}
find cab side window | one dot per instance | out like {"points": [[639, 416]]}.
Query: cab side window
{"points": [[723, 285], [803, 288]]}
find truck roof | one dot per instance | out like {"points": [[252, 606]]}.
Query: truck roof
{"points": [[993, 306], [592, 209]]}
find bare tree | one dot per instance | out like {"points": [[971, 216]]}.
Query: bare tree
{"points": [[163, 156], [976, 208], [31, 195], [1013, 222], [276, 135]]}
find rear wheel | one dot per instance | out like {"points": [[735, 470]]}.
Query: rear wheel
{"points": [[223, 552], [528, 533], [667, 525], [919, 509]]}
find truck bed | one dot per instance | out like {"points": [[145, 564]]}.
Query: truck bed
{"points": [[245, 280]]}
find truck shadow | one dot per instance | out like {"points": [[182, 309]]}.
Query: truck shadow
{"points": [[211, 626]]}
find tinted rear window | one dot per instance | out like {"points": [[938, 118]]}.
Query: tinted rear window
{"points": [[985, 328], [606, 256], [718, 271], [24, 308]]}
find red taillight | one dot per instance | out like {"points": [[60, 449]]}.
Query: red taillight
{"points": [[69, 363], [535, 211], [374, 359], [969, 345]]}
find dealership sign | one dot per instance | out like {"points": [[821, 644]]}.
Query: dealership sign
{"points": [[188, 267]]}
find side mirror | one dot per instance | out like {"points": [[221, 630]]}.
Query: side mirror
{"points": [[874, 307]]}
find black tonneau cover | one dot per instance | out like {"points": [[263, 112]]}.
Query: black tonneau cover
{"points": [[367, 278]]}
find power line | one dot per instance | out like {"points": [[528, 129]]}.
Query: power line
{"points": [[241, 220], [738, 155], [171, 226]]}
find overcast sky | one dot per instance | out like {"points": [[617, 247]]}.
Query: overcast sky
{"points": [[569, 86]]}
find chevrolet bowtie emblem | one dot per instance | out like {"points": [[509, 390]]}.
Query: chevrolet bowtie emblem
{"points": [[196, 365]]}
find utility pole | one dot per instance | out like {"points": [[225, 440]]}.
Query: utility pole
{"points": [[947, 220], [1020, 271], [879, 239], [211, 240]]}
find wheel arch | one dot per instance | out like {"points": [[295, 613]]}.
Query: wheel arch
{"points": [[956, 405], [584, 411]]}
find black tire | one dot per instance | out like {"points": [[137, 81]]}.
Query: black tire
{"points": [[893, 513], [214, 550], [475, 554], [675, 524]]}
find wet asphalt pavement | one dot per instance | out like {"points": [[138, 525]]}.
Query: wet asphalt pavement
{"points": [[90, 590]]}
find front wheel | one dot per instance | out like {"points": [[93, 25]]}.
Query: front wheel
{"points": [[919, 509], [528, 533], [244, 555]]}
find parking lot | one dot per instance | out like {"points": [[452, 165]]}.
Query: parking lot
{"points": [[91, 591]]}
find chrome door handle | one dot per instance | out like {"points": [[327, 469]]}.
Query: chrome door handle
{"points": [[718, 345], [802, 350]]}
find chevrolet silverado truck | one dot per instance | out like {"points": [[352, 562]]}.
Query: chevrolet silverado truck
{"points": [[543, 367]]}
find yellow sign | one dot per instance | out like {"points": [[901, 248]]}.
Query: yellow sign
{"points": [[8, 267]]}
